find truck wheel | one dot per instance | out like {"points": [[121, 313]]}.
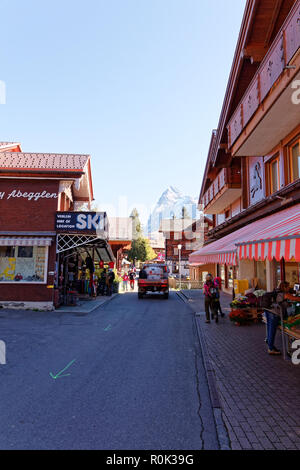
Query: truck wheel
{"points": [[140, 296], [166, 295]]}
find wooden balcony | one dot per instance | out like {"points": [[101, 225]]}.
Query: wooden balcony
{"points": [[274, 64], [225, 189]]}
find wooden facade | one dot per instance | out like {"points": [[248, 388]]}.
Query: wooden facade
{"points": [[253, 164]]}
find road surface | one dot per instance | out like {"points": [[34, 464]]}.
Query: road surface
{"points": [[137, 381]]}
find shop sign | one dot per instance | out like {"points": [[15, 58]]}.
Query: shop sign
{"points": [[81, 221], [30, 196], [256, 185]]}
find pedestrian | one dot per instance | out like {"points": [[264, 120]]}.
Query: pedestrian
{"points": [[211, 294], [109, 282], [143, 273], [131, 279], [125, 282], [275, 305], [218, 285], [102, 283]]}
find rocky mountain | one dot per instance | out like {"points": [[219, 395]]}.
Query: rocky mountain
{"points": [[170, 204]]}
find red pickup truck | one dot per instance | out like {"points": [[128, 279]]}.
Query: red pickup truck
{"points": [[157, 280]]}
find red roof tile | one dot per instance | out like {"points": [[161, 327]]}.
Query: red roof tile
{"points": [[44, 161], [4, 145]]}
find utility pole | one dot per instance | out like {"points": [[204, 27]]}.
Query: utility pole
{"points": [[179, 256]]}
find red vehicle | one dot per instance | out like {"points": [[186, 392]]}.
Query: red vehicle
{"points": [[157, 280]]}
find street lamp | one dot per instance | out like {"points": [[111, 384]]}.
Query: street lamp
{"points": [[179, 256]]}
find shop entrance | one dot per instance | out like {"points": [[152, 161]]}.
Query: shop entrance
{"points": [[80, 262]]}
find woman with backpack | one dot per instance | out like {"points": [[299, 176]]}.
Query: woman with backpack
{"points": [[274, 304], [218, 284], [211, 295]]}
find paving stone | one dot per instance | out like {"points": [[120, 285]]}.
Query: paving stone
{"points": [[259, 393]]}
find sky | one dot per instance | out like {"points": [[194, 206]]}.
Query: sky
{"points": [[137, 84]]}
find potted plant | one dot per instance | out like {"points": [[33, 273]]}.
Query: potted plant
{"points": [[239, 317]]}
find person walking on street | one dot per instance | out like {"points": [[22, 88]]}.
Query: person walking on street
{"points": [[125, 282], [211, 294], [131, 279], [218, 285]]}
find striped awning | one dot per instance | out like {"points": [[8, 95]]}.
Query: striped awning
{"points": [[274, 237], [25, 241], [279, 239], [222, 251]]}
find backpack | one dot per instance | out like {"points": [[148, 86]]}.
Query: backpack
{"points": [[268, 299], [214, 292]]}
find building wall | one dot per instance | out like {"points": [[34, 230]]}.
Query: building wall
{"points": [[196, 273], [19, 293], [22, 214], [247, 270], [31, 213]]}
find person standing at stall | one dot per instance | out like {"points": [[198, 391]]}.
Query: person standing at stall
{"points": [[109, 282], [102, 283], [275, 304]]}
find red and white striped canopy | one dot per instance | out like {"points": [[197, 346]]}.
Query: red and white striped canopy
{"points": [[25, 241], [274, 237], [280, 238]]}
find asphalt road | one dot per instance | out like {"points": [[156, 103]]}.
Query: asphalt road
{"points": [[137, 381]]}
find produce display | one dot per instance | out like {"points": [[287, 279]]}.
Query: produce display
{"points": [[292, 322], [240, 302]]}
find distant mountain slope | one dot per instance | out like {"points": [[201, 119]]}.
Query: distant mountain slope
{"points": [[169, 204]]}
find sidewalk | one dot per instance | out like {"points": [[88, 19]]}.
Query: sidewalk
{"points": [[85, 307], [259, 394]]}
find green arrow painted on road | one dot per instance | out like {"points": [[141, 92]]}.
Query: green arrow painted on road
{"points": [[59, 374]]}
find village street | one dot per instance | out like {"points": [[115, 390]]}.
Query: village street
{"points": [[138, 380]]}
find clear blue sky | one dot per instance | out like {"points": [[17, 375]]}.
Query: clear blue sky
{"points": [[138, 84]]}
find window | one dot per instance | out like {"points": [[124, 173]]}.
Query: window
{"points": [[294, 161], [25, 251], [24, 264], [292, 273], [7, 251], [274, 178]]}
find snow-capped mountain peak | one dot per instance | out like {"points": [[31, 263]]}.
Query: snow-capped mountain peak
{"points": [[170, 204], [171, 194]]}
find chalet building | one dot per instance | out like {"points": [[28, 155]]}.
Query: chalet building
{"points": [[251, 184], [44, 241], [158, 246], [184, 233], [120, 238]]}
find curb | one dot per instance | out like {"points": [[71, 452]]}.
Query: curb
{"points": [[213, 390], [221, 429]]}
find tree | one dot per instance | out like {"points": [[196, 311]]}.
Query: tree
{"points": [[136, 225], [141, 250]]}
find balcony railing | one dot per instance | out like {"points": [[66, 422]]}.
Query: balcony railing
{"points": [[278, 57], [228, 177]]}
